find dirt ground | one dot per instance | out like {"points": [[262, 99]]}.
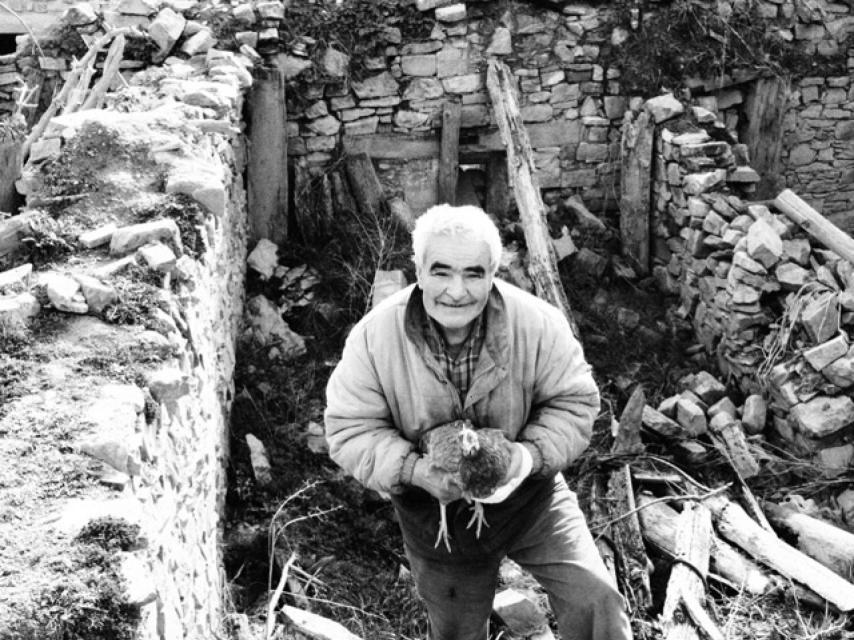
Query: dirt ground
{"points": [[349, 562]]}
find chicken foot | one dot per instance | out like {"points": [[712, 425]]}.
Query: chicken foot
{"points": [[477, 517], [443, 528]]}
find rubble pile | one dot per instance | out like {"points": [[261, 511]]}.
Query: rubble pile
{"points": [[763, 295]]}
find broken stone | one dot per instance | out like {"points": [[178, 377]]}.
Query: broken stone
{"points": [[133, 237], [708, 388], [166, 29], [335, 63], [753, 414], [790, 276], [97, 294], [17, 279], [822, 416], [17, 311], [696, 183], [764, 244], [500, 43], [264, 258], [139, 588], [563, 246], [79, 14], [97, 237], [158, 257], [451, 13], [200, 42], [168, 384], [591, 263], [64, 293], [377, 86], [261, 467], [823, 354], [663, 107], [202, 182], [836, 460], [724, 405], [522, 615], [691, 416], [315, 438], [819, 317], [841, 371], [265, 326]]}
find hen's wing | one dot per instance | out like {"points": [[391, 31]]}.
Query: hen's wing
{"points": [[441, 446], [483, 474]]}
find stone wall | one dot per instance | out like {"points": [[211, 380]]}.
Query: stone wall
{"points": [[768, 302], [162, 219], [572, 103]]}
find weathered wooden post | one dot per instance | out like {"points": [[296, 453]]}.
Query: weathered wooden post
{"points": [[635, 185], [268, 156]]}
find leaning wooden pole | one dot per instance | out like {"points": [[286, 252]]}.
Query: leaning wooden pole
{"points": [[815, 224], [542, 264]]}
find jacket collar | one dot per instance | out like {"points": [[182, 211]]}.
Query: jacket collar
{"points": [[495, 355]]}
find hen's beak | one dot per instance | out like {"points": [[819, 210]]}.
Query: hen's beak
{"points": [[469, 442]]}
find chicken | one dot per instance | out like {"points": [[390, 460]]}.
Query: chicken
{"points": [[478, 461]]}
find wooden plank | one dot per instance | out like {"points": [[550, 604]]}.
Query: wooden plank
{"points": [[729, 439], [628, 438], [687, 577], [10, 171], [542, 262], [267, 189], [450, 150], [628, 540], [497, 186], [735, 525], [635, 190], [815, 224], [830, 545], [764, 109]]}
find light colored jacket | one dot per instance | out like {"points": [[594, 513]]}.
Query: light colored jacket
{"points": [[531, 381]]}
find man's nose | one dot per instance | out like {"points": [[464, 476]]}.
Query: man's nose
{"points": [[456, 288]]}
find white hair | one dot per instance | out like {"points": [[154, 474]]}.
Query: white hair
{"points": [[468, 222]]}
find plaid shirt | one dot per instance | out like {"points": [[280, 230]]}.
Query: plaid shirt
{"points": [[460, 370]]}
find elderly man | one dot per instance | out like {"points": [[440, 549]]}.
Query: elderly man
{"points": [[461, 344]]}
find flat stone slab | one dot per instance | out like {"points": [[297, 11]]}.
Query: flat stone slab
{"points": [[823, 416]]}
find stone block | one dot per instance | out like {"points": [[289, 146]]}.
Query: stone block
{"points": [[377, 86], [825, 353], [418, 65], [166, 28], [708, 388], [691, 417], [97, 237], [819, 317], [97, 294], [764, 244], [522, 615], [130, 238], [754, 414], [841, 371], [664, 107], [16, 280], [158, 256], [64, 293], [822, 416]]}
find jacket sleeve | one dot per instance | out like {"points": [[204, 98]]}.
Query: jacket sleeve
{"points": [[359, 430], [565, 402]]}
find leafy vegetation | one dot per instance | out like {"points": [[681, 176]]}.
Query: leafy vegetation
{"points": [[689, 38]]}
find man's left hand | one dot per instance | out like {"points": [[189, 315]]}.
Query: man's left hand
{"points": [[520, 467]]}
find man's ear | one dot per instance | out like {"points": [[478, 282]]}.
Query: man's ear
{"points": [[418, 270]]}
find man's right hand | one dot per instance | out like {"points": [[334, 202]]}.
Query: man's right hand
{"points": [[438, 483]]}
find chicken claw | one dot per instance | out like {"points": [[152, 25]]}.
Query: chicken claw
{"points": [[477, 517], [443, 528]]}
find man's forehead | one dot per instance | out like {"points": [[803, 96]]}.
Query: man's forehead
{"points": [[456, 253]]}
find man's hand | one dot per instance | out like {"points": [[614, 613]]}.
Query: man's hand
{"points": [[520, 467], [439, 484]]}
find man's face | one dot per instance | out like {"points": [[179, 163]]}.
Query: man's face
{"points": [[455, 279]]}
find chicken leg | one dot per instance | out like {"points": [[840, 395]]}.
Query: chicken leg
{"points": [[477, 517], [443, 528]]}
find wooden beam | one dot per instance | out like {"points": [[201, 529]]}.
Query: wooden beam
{"points": [[542, 263], [735, 525], [635, 189], [365, 185], [450, 151], [815, 224], [687, 578], [267, 189], [764, 109], [497, 186]]}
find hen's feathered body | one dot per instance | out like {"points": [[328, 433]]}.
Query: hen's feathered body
{"points": [[477, 460]]}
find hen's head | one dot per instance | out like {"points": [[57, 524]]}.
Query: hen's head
{"points": [[468, 441]]}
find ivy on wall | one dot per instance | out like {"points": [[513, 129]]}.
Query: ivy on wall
{"points": [[690, 38]]}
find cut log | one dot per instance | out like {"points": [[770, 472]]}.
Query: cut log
{"points": [[450, 150], [658, 521], [831, 546], [815, 224], [604, 536], [730, 566], [316, 626], [628, 540], [365, 185], [542, 263], [635, 180], [115, 54], [688, 576], [10, 171], [267, 191], [342, 198], [735, 525]]}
